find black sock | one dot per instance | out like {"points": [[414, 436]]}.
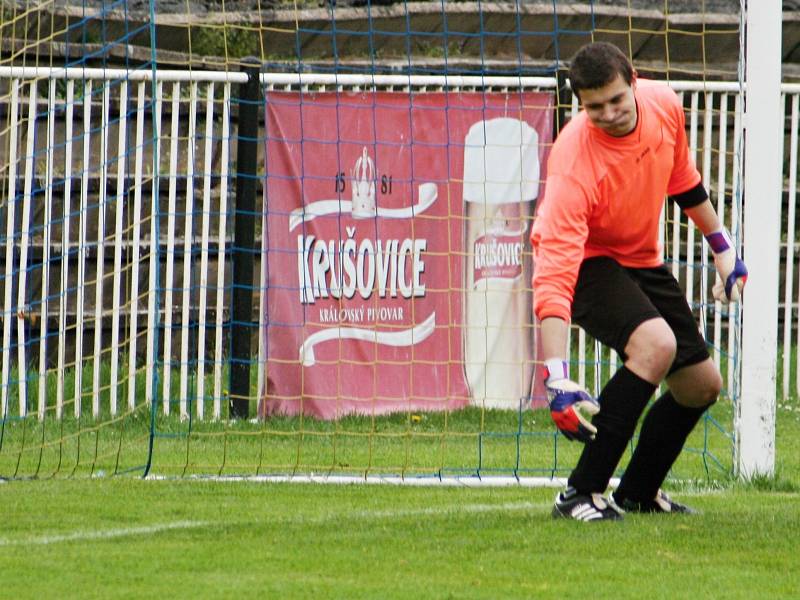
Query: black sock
{"points": [[621, 404], [664, 432]]}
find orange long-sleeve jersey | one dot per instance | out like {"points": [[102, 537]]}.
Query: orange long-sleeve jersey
{"points": [[604, 195]]}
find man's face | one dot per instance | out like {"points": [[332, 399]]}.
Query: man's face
{"points": [[611, 107]]}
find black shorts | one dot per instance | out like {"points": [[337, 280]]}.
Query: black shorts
{"points": [[611, 301]]}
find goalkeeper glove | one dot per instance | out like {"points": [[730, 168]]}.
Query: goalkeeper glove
{"points": [[570, 404], [730, 268]]}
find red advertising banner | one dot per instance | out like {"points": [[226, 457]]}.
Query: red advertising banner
{"points": [[396, 250]]}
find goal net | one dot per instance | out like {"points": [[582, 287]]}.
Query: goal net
{"points": [[292, 240]]}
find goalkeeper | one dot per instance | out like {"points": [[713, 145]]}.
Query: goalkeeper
{"points": [[598, 261]]}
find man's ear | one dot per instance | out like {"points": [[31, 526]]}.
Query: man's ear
{"points": [[633, 79]]}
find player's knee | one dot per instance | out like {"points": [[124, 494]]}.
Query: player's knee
{"points": [[663, 349], [651, 350], [697, 385], [710, 389]]}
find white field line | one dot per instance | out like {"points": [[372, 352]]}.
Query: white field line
{"points": [[431, 512], [456, 509], [80, 536]]}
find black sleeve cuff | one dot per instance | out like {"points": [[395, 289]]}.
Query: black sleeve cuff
{"points": [[689, 198]]}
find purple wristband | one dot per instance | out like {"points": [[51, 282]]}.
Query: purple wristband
{"points": [[718, 241]]}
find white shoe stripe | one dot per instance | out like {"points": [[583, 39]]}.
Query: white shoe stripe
{"points": [[587, 509], [585, 512]]}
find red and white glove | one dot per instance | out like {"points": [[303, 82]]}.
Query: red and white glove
{"points": [[571, 406], [731, 269]]}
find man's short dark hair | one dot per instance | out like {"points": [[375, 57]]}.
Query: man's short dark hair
{"points": [[598, 64]]}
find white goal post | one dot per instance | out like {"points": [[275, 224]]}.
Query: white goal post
{"points": [[755, 419]]}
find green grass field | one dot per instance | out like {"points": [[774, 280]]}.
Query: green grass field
{"points": [[68, 535], [126, 538]]}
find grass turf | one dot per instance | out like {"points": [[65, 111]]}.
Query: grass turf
{"points": [[123, 537], [128, 538]]}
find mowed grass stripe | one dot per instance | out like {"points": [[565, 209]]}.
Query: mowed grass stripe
{"points": [[84, 535]]}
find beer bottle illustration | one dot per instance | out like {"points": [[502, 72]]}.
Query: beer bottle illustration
{"points": [[501, 181]]}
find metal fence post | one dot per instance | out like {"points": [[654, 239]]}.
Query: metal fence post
{"points": [[244, 241]]}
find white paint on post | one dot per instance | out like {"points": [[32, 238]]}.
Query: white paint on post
{"points": [[763, 192]]}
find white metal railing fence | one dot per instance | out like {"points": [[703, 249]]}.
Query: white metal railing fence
{"points": [[97, 134], [789, 237], [84, 97]]}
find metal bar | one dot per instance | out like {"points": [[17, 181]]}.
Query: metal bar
{"points": [[22, 308], [244, 236], [84, 215], [138, 181], [223, 220], [676, 230], [187, 251], [11, 203], [788, 278], [736, 178], [100, 74], [346, 80], [582, 357], [118, 233], [47, 226], [708, 130], [101, 252], [204, 230], [65, 249], [168, 281], [367, 80], [151, 358], [721, 174], [693, 133]]}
